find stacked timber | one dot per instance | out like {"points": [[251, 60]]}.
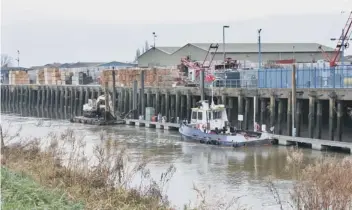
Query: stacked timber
{"points": [[153, 77], [56, 77], [18, 78], [40, 77]]}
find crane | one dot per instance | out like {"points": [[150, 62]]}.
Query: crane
{"points": [[200, 67], [341, 44]]}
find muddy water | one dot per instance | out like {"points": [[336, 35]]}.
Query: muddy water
{"points": [[228, 172]]}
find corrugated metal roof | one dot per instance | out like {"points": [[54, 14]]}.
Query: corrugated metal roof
{"points": [[253, 47], [116, 63], [84, 64], [266, 47], [168, 50]]}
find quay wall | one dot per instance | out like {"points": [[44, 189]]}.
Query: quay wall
{"points": [[320, 113]]}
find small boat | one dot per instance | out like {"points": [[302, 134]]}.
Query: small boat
{"points": [[209, 125]]}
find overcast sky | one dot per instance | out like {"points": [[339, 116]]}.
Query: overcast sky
{"points": [[48, 31]]}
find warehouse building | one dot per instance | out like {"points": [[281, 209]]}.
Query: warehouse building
{"points": [[171, 56]]}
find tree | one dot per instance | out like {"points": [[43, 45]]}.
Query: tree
{"points": [[146, 46], [143, 51], [138, 53], [5, 60]]}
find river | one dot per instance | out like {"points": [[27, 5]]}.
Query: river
{"points": [[229, 172]]}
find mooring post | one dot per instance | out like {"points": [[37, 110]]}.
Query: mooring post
{"points": [[177, 104], [122, 97], [135, 89], [142, 99], [38, 99], [311, 116], [47, 100], [319, 122], [106, 93], [126, 101], [167, 106], [43, 98], [262, 111], [280, 116], [294, 98], [66, 101], [72, 98], [272, 110], [298, 117], [149, 98], [163, 108], [246, 113], [29, 106], [157, 102], [80, 101], [255, 112], [332, 110], [189, 105], [289, 114], [173, 107], [339, 125], [113, 91], [21, 99], [240, 110], [75, 104], [131, 99], [183, 116]]}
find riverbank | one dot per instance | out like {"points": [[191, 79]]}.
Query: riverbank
{"points": [[106, 185]]}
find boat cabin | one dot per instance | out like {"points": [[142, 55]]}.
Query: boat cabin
{"points": [[209, 117]]}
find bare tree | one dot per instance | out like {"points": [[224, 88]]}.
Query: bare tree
{"points": [[5, 60]]}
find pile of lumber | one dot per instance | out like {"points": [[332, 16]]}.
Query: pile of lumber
{"points": [[153, 77], [40, 77], [18, 78]]}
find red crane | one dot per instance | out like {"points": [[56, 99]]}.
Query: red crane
{"points": [[342, 42], [200, 67]]}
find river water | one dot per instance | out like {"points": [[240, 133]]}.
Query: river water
{"points": [[225, 172]]}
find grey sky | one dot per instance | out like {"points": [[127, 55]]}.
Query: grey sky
{"points": [[76, 30]]}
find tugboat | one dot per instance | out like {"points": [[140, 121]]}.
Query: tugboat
{"points": [[209, 125]]}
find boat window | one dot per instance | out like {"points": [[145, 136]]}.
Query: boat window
{"points": [[194, 115], [216, 115], [200, 115]]}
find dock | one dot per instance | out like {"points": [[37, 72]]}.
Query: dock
{"points": [[315, 144], [150, 124]]}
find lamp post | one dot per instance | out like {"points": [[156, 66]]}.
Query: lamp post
{"points": [[154, 36], [259, 49], [223, 44]]}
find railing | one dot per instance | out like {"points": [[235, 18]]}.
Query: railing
{"points": [[306, 78]]}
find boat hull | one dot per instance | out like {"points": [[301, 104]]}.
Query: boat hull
{"points": [[189, 133]]}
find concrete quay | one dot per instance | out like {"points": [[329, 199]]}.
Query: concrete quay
{"points": [[320, 113]]}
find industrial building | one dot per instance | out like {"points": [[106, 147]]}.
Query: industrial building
{"points": [[171, 56]]}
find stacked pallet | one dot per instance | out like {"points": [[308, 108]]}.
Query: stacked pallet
{"points": [[56, 77], [18, 78], [153, 77], [40, 77]]}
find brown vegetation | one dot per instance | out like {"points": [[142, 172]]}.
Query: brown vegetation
{"points": [[102, 178], [325, 184], [103, 185]]}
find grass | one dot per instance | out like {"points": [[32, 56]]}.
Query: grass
{"points": [[18, 191]]}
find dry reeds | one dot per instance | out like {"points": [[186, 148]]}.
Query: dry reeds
{"points": [[100, 179], [325, 184]]}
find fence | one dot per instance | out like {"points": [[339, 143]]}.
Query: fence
{"points": [[338, 77]]}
